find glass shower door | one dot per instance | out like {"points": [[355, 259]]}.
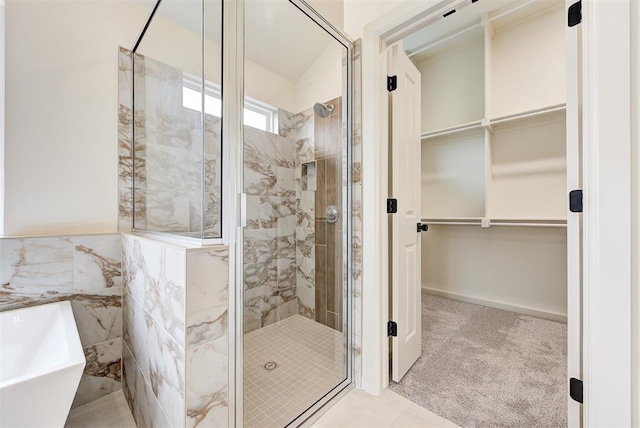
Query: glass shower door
{"points": [[295, 320]]}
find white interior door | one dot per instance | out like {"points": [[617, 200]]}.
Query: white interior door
{"points": [[404, 103]]}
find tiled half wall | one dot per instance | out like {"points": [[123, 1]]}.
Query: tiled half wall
{"points": [[85, 270], [176, 340]]}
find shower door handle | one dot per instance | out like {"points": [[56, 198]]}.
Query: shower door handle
{"points": [[331, 214]]}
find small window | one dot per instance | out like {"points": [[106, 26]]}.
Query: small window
{"points": [[256, 114]]}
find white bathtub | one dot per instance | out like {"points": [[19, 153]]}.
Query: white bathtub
{"points": [[41, 362]]}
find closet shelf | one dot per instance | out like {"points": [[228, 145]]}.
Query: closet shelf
{"points": [[489, 222], [528, 114], [483, 123], [453, 130]]}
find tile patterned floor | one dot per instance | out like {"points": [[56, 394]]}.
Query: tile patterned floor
{"points": [[110, 411], [357, 409], [310, 362]]}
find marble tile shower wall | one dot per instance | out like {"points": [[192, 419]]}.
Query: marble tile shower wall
{"points": [[175, 353], [270, 235], [168, 153], [85, 270], [356, 214], [302, 130], [290, 124], [284, 176]]}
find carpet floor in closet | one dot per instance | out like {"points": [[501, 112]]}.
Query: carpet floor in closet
{"points": [[486, 367]]}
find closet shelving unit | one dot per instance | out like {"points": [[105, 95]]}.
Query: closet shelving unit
{"points": [[493, 120]]}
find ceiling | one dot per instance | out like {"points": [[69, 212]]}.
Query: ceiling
{"points": [[466, 15], [278, 36]]}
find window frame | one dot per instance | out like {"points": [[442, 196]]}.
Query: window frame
{"points": [[213, 90]]}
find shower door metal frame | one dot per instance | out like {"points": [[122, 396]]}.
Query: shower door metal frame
{"points": [[233, 143]]}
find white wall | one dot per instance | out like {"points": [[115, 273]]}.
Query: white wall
{"points": [[61, 135], [358, 13], [1, 117], [61, 113], [518, 268], [179, 47], [322, 81]]}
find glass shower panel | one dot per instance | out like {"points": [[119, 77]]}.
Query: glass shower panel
{"points": [[177, 97], [295, 322]]}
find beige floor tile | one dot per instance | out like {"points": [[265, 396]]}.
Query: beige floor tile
{"points": [[409, 419], [358, 409], [110, 411]]}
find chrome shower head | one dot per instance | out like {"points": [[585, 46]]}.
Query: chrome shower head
{"points": [[323, 110]]}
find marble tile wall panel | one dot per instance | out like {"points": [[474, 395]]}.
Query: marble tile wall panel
{"points": [[169, 155], [272, 211], [97, 262], [207, 306], [138, 392], [287, 124], [85, 270], [305, 270], [304, 136], [102, 373], [207, 384], [129, 379], [267, 148], [37, 266], [125, 135], [175, 318]]}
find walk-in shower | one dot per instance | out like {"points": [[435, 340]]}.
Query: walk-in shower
{"points": [[296, 184], [290, 282]]}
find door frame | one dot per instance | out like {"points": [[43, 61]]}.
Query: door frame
{"points": [[233, 51], [607, 253]]}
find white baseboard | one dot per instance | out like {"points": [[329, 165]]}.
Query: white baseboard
{"points": [[554, 316]]}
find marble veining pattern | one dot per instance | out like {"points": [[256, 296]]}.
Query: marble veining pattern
{"points": [[83, 269], [169, 155], [356, 221], [269, 239], [207, 384], [37, 265], [102, 373], [207, 305], [175, 341]]}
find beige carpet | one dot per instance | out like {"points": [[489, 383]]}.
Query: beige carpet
{"points": [[484, 367]]}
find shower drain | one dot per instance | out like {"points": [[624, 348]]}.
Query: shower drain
{"points": [[270, 365]]}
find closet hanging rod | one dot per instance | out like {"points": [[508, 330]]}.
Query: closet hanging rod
{"points": [[452, 130], [529, 224], [530, 113], [443, 40], [491, 223], [462, 223]]}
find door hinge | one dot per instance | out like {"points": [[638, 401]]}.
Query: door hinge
{"points": [[392, 328], [422, 227], [392, 206], [575, 389], [392, 83], [574, 15], [575, 201]]}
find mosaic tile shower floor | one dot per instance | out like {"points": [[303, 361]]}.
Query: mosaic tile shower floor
{"points": [[310, 362]]}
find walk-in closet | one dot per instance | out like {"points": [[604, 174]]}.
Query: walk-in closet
{"points": [[493, 78]]}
